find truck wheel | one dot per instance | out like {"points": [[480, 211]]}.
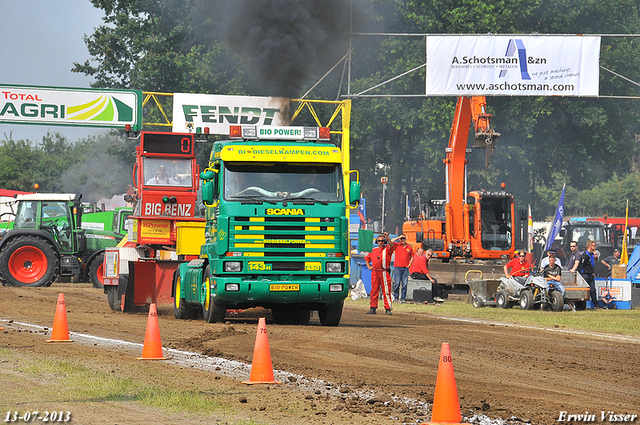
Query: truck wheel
{"points": [[526, 300], [212, 311], [28, 261], [112, 297], [331, 315], [181, 310], [557, 301], [301, 316], [96, 271], [502, 299]]}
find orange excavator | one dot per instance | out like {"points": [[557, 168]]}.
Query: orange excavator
{"points": [[474, 225]]}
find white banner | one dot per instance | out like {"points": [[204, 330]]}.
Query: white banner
{"points": [[513, 65], [218, 112]]}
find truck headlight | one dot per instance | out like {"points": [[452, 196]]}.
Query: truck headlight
{"points": [[232, 287], [335, 267], [233, 266], [335, 287]]}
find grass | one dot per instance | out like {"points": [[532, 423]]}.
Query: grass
{"points": [[621, 322], [76, 382]]}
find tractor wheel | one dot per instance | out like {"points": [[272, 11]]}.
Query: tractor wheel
{"points": [[301, 316], [112, 297], [181, 310], [28, 261], [502, 299], [557, 301], [331, 315], [526, 300], [96, 271], [212, 311], [477, 302]]}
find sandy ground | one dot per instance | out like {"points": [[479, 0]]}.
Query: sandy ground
{"points": [[374, 369]]}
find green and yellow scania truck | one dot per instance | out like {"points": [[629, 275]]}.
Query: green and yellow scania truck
{"points": [[276, 232]]}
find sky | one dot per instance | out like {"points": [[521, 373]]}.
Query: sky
{"points": [[40, 41]]}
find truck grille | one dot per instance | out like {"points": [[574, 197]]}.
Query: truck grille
{"points": [[264, 241]]}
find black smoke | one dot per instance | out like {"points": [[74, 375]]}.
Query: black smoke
{"points": [[289, 43]]}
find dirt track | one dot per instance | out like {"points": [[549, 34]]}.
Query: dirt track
{"points": [[501, 371]]}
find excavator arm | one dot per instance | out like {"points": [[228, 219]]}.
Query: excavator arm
{"points": [[468, 109]]}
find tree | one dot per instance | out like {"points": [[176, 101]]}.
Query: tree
{"points": [[248, 47]]}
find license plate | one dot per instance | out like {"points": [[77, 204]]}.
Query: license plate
{"points": [[284, 287]]}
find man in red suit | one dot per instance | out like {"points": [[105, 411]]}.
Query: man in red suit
{"points": [[379, 262]]}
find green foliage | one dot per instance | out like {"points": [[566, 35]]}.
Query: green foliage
{"points": [[96, 167], [545, 142], [163, 46]]}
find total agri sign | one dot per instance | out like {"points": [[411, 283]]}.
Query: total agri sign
{"points": [[513, 65], [70, 106]]}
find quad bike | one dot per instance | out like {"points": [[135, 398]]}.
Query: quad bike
{"points": [[539, 292], [508, 292]]}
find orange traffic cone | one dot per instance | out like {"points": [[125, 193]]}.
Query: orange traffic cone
{"points": [[261, 367], [152, 348], [60, 330], [446, 405]]}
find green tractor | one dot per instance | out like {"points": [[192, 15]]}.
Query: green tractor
{"points": [[48, 240]]}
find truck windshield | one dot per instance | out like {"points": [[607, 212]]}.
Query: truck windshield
{"points": [[282, 181], [167, 172], [582, 234]]}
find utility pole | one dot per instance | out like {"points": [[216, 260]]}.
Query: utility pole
{"points": [[384, 181]]}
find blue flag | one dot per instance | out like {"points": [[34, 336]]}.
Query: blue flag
{"points": [[557, 221]]}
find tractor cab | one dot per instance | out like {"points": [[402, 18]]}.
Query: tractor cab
{"points": [[57, 215]]}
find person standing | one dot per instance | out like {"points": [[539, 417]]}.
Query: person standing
{"points": [[613, 259], [379, 261], [404, 258], [574, 259], [587, 271], [545, 260]]}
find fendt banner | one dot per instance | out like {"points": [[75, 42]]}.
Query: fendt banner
{"points": [[70, 106], [513, 65], [218, 112]]}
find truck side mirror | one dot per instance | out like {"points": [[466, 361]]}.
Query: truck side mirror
{"points": [[209, 186], [354, 192], [207, 192], [207, 174]]}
